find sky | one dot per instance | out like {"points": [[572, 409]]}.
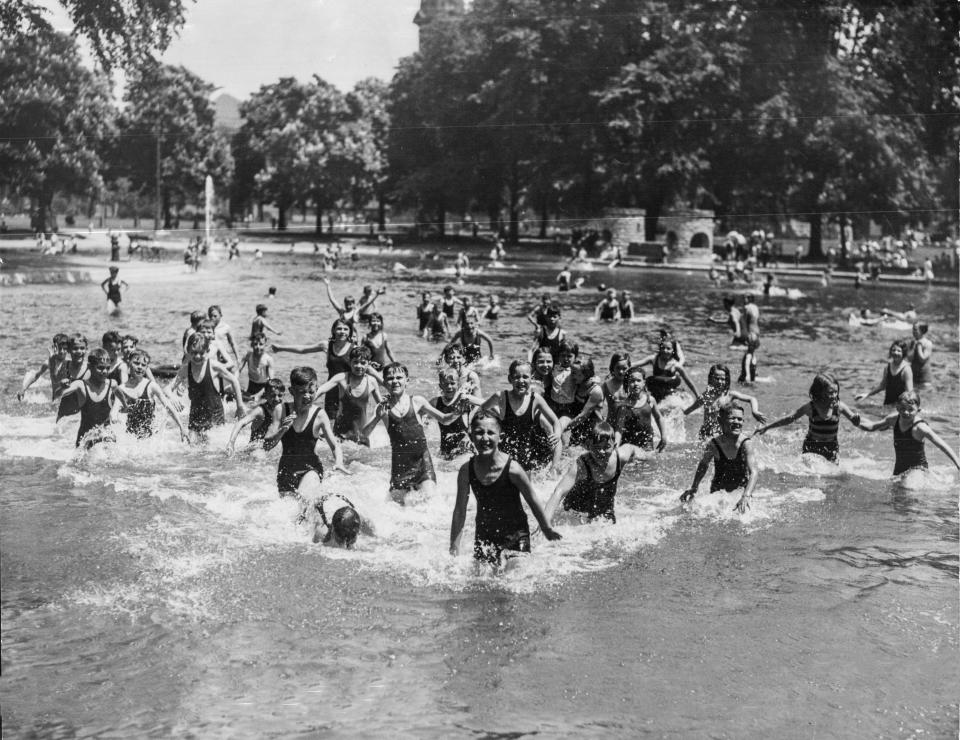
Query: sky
{"points": [[239, 45]]}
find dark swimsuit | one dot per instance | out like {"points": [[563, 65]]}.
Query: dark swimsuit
{"points": [[626, 311], [299, 455], [608, 311], [591, 497], [254, 387], [353, 415], [260, 427], [113, 292], [336, 364], [95, 414], [636, 429], [662, 382], [501, 523], [893, 387], [821, 436], [909, 452], [454, 437], [471, 350], [206, 408], [552, 344], [410, 463], [522, 438], [729, 475], [921, 370], [378, 354], [140, 414]]}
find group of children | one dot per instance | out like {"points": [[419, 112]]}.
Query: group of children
{"points": [[555, 399]]}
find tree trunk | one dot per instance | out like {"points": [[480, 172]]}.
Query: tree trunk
{"points": [[318, 228], [816, 236], [166, 208], [381, 211], [282, 216], [544, 218]]}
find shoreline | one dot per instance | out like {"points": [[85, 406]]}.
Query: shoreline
{"points": [[93, 256]]}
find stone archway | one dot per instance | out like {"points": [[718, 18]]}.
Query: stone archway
{"points": [[700, 240]]}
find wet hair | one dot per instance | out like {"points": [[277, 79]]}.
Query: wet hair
{"points": [[586, 367], [729, 301], [448, 374], [447, 288], [360, 353], [921, 327], [140, 354], [258, 335], [277, 386], [909, 397], [61, 339], [450, 350], [726, 409], [902, 344], [635, 371], [110, 336], [198, 343], [76, 340], [303, 375], [345, 524], [376, 315], [822, 384], [213, 308], [512, 370], [553, 310], [196, 317], [261, 309], [570, 348], [485, 416], [206, 324], [720, 369], [99, 356], [540, 352], [130, 338], [394, 366], [617, 357], [602, 430], [338, 322]]}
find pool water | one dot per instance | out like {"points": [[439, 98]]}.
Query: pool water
{"points": [[156, 589]]}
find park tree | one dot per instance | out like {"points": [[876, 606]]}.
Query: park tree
{"points": [[305, 138], [169, 115], [121, 34], [54, 118], [369, 128]]}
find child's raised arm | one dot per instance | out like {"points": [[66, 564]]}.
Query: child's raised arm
{"points": [[754, 405], [44, 367], [802, 411], [333, 301]]}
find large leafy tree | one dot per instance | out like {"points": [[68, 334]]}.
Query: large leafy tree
{"points": [[370, 125], [304, 138], [54, 117], [121, 34], [170, 106]]}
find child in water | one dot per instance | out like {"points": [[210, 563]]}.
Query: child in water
{"points": [[411, 468], [897, 375], [638, 413], [498, 482], [733, 461], [340, 522], [56, 365], [357, 389], [199, 373], [590, 485], [141, 395], [455, 436], [259, 366], [718, 394], [260, 325], [94, 398], [910, 430], [823, 410], [262, 416], [376, 342]]}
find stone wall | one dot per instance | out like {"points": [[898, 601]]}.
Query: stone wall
{"points": [[688, 229]]}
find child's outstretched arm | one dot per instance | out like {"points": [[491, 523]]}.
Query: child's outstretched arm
{"points": [[422, 405], [886, 422], [247, 420], [754, 405], [486, 338], [323, 427], [234, 382], [460, 508], [925, 432], [333, 301], [853, 416], [300, 349], [44, 367], [658, 420], [702, 468], [698, 402], [157, 394], [802, 411], [686, 379], [379, 292], [876, 389], [566, 483], [266, 327], [519, 478]]}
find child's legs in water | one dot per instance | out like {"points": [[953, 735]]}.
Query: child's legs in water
{"points": [[403, 496]]}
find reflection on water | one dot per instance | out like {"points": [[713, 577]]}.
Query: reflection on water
{"points": [[172, 582]]}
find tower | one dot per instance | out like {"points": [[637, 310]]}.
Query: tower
{"points": [[432, 10]]}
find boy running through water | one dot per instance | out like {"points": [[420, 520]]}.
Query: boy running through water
{"points": [[259, 366]]}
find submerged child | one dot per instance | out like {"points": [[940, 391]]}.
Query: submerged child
{"points": [[498, 483]]}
